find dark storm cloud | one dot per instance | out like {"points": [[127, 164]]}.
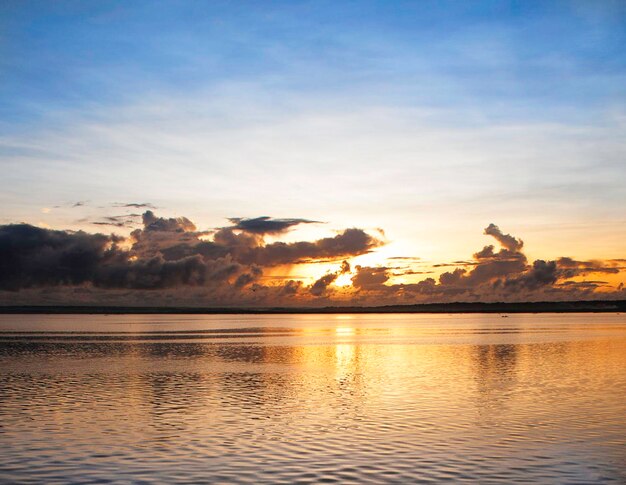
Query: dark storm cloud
{"points": [[165, 253], [33, 257], [266, 225], [226, 267]]}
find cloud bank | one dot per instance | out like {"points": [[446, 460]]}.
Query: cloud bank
{"points": [[168, 253], [171, 261], [503, 274]]}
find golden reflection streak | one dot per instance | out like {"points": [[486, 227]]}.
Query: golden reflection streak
{"points": [[490, 381]]}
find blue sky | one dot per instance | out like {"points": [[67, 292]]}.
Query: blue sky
{"points": [[428, 119], [506, 59]]}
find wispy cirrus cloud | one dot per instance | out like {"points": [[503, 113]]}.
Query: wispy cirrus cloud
{"points": [[135, 205], [120, 221]]}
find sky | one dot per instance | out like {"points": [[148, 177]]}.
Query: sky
{"points": [[312, 153]]}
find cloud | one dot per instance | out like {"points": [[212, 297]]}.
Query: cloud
{"points": [[267, 225], [174, 224], [540, 274], [506, 240], [35, 257], [321, 285], [410, 272], [135, 205], [370, 277], [249, 248], [405, 258], [157, 273], [570, 268], [165, 253], [247, 278], [168, 259], [502, 274], [489, 265], [126, 220], [291, 288]]}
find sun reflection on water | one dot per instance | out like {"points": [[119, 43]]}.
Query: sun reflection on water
{"points": [[270, 398]]}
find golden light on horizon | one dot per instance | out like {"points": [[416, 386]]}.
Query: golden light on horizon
{"points": [[344, 279]]}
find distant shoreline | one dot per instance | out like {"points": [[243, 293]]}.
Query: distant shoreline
{"points": [[599, 306]]}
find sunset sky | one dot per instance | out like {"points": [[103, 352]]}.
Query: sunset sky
{"points": [[312, 153]]}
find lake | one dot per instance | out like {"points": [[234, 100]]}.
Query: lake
{"points": [[313, 398]]}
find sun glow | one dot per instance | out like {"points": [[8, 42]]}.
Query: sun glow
{"points": [[344, 279]]}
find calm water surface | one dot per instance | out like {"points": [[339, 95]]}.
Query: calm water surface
{"points": [[313, 398]]}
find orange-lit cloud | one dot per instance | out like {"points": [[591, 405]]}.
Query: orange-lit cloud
{"points": [[168, 261], [503, 274]]}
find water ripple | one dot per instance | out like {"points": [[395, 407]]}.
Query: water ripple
{"points": [[302, 400]]}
